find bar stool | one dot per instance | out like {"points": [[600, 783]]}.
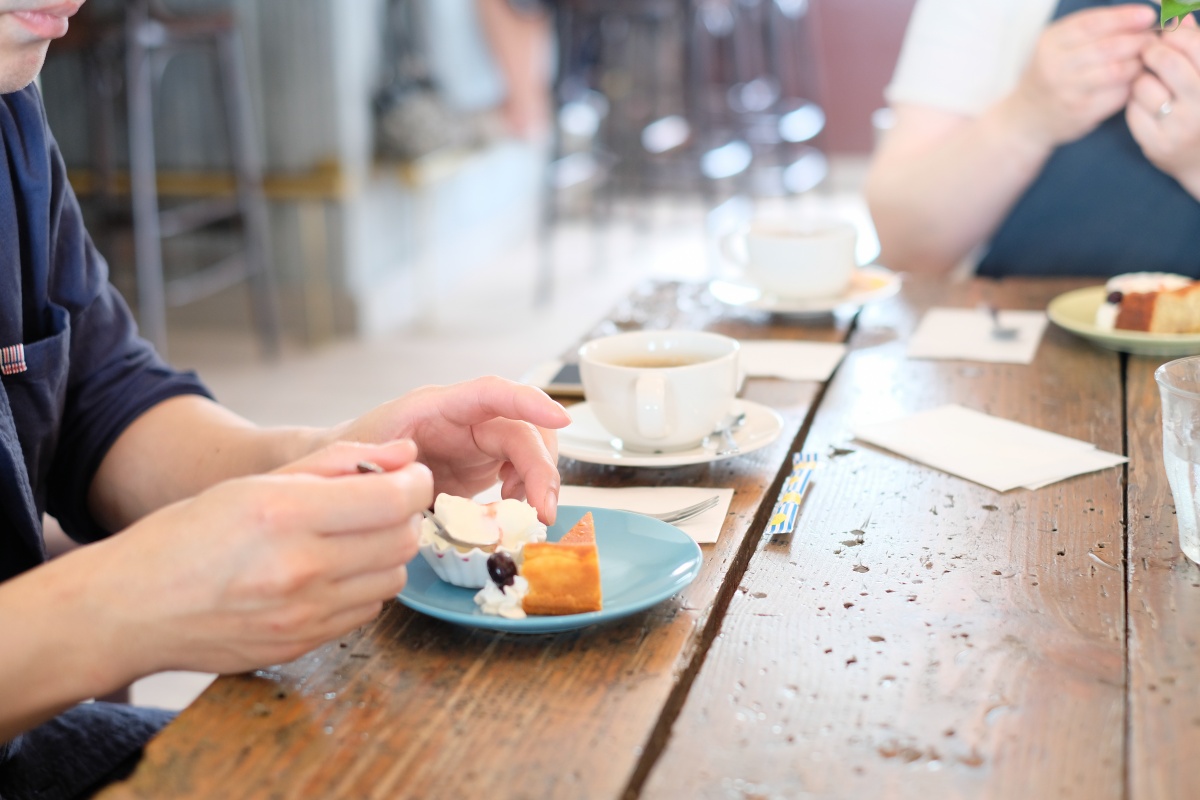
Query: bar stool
{"points": [[606, 76], [750, 72], [150, 36]]}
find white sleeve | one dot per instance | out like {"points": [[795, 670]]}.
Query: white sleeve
{"points": [[963, 56]]}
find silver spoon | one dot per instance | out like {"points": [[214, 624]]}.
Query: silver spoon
{"points": [[726, 430], [370, 466], [445, 534], [1000, 332]]}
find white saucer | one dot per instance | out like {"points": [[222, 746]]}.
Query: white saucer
{"points": [[586, 440], [867, 285]]}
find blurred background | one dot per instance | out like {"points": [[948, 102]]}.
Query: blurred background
{"points": [[320, 204]]}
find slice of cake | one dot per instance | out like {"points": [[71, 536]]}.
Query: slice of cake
{"points": [[1152, 302], [582, 532], [564, 576]]}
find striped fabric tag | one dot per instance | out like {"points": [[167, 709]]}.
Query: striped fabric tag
{"points": [[12, 359], [791, 495]]}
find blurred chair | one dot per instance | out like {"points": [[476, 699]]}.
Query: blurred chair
{"points": [[751, 72], [608, 87], [723, 103], [149, 35]]}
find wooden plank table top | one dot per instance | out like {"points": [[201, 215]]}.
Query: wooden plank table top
{"points": [[919, 635], [414, 707], [1164, 611]]}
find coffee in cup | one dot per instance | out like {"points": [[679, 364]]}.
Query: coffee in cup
{"points": [[799, 258], [660, 391]]}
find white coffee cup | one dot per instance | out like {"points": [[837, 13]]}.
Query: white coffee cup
{"points": [[659, 391], [801, 258]]}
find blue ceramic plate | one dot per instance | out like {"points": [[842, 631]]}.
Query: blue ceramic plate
{"points": [[642, 562]]}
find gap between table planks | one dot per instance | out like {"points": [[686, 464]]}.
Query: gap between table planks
{"points": [[410, 706], [972, 645]]}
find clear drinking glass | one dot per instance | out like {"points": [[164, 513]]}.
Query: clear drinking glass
{"points": [[1179, 387]]}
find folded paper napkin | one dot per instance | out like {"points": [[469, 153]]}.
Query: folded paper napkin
{"points": [[965, 334], [797, 361], [991, 451], [705, 528]]}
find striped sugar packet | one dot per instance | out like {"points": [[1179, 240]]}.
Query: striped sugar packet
{"points": [[787, 507]]}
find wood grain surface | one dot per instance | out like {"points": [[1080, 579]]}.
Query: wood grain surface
{"points": [[919, 636], [1164, 612], [922, 636], [413, 707]]}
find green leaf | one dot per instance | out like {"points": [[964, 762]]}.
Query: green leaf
{"points": [[1174, 8]]}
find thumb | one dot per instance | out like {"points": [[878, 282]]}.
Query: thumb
{"points": [[348, 458]]}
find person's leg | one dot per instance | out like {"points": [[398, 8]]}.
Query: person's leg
{"points": [[78, 752], [519, 36]]}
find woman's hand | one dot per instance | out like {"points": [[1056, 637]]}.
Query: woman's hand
{"points": [[1164, 114], [1082, 71], [259, 570], [471, 434]]}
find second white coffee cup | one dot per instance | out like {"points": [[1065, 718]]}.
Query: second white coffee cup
{"points": [[659, 391], [806, 257]]}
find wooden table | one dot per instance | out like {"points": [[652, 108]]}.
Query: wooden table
{"points": [[919, 636]]}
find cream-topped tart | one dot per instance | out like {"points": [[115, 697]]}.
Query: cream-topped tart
{"points": [[506, 525]]}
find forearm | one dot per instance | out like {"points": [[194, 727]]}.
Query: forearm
{"points": [[939, 191], [517, 40], [59, 646], [181, 447]]}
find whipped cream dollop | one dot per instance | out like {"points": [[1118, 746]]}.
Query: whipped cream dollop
{"points": [[503, 601], [506, 523], [1133, 283]]}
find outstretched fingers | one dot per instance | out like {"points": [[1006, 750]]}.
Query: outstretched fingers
{"points": [[529, 465]]}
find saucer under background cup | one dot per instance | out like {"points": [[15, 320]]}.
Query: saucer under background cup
{"points": [[868, 284], [585, 439]]}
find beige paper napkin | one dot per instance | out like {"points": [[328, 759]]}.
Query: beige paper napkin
{"points": [[797, 361], [704, 528], [997, 453], [965, 334]]}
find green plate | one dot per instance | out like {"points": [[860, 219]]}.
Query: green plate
{"points": [[1076, 311]]}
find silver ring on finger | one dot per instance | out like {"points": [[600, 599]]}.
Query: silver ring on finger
{"points": [[1165, 110]]}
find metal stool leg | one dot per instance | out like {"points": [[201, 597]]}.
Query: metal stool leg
{"points": [[153, 37], [100, 66], [151, 295], [544, 282], [248, 165]]}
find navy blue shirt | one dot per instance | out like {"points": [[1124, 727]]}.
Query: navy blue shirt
{"points": [[88, 375], [1098, 208]]}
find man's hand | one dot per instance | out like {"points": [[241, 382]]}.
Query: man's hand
{"points": [[1164, 114], [471, 434], [262, 569], [1082, 71]]}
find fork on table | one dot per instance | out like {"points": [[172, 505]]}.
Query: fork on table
{"points": [[680, 514]]}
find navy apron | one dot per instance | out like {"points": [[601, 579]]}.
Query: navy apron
{"points": [[1098, 208]]}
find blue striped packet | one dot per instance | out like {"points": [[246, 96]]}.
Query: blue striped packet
{"points": [[787, 506]]}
